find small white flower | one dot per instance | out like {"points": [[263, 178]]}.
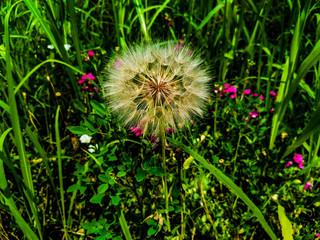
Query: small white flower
{"points": [[93, 148], [50, 46], [85, 138], [67, 46]]}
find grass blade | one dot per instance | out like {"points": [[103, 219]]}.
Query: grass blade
{"points": [[124, 225], [59, 154], [230, 184], [14, 116], [309, 130], [286, 226]]}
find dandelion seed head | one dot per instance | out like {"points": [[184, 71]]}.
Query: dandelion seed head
{"points": [[152, 83]]}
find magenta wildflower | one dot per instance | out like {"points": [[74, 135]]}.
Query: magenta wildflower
{"points": [[90, 76], [96, 89], [170, 130], [230, 89], [298, 159], [153, 139], [137, 130], [254, 114], [261, 97], [246, 92], [246, 119], [273, 94], [91, 53], [308, 186], [254, 94], [318, 234], [272, 110], [189, 52], [180, 44], [289, 164]]}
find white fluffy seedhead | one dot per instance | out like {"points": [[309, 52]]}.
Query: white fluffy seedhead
{"points": [[152, 83]]}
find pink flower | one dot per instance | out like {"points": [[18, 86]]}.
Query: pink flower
{"points": [[261, 97], [254, 114], [189, 52], [289, 164], [232, 89], [233, 95], [91, 53], [246, 119], [81, 81], [96, 89], [246, 92], [272, 110], [318, 234], [273, 94], [90, 76], [298, 159], [137, 130], [170, 130], [85, 88], [153, 139], [308, 186], [254, 95]]}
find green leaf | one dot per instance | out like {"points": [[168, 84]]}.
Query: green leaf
{"points": [[312, 127], [97, 198], [99, 108], [103, 178], [286, 226], [140, 175], [103, 187], [152, 230], [121, 174], [80, 130], [230, 184], [115, 200], [156, 171]]}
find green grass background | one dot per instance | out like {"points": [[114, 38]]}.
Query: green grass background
{"points": [[260, 45]]}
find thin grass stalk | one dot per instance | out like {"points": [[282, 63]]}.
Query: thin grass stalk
{"points": [[14, 116], [59, 153], [74, 31], [164, 178], [142, 20], [119, 16]]}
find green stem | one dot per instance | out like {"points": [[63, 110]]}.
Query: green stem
{"points": [[164, 178]]}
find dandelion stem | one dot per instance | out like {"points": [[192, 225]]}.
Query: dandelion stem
{"points": [[164, 178]]}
